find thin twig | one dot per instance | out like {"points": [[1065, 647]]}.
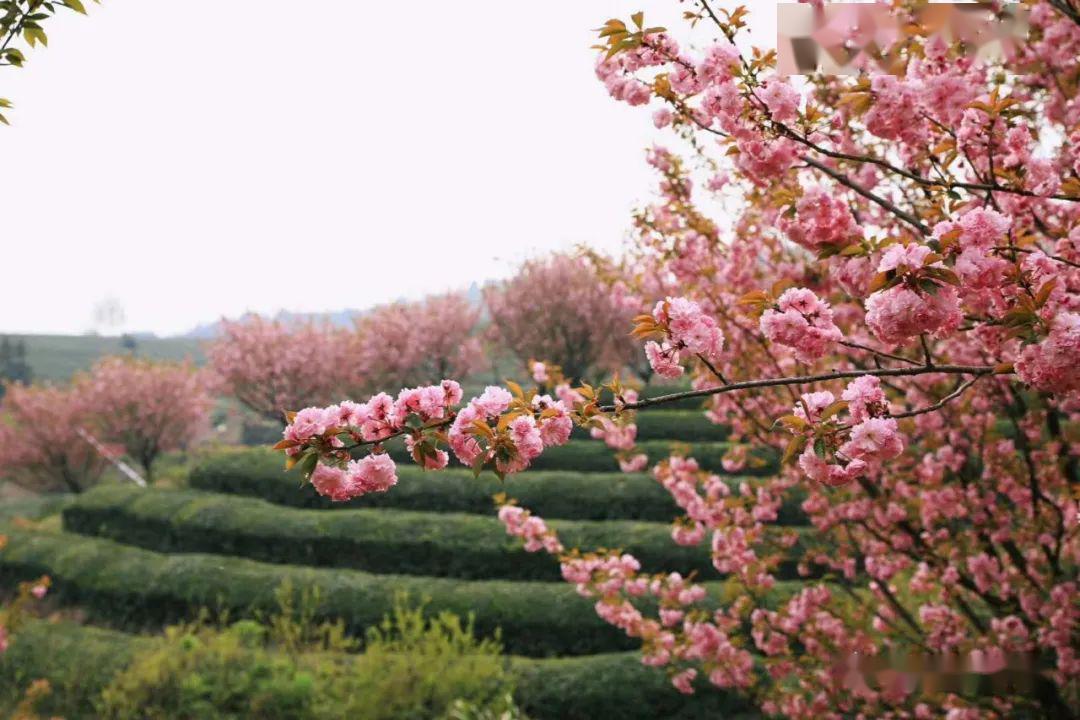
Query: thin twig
{"points": [[960, 390], [805, 380]]}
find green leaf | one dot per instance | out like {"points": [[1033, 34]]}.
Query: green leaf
{"points": [[834, 409], [793, 449], [76, 5]]}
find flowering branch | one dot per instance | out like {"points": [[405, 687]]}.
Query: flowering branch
{"points": [[805, 380]]}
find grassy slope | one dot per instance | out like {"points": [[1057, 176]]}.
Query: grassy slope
{"points": [[57, 357]]}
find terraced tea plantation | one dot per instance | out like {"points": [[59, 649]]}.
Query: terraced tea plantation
{"points": [[136, 559]]}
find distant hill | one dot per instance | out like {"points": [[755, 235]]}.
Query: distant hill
{"points": [[340, 318], [58, 357]]}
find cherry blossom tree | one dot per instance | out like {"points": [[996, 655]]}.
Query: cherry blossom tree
{"points": [[878, 278], [271, 366], [41, 446], [412, 343], [557, 309], [147, 407]]}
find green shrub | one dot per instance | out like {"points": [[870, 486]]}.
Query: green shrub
{"points": [[81, 661], [131, 587], [205, 674], [412, 667], [77, 661], [570, 495], [417, 667], [375, 540]]}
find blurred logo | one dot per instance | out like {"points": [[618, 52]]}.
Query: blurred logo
{"points": [[846, 38]]}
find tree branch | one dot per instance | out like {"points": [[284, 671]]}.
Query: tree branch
{"points": [[805, 380], [843, 180]]}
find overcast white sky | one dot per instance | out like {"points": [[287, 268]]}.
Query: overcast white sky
{"points": [[206, 158]]}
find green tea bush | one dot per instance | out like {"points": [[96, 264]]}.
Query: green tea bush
{"points": [[552, 494], [134, 588], [595, 456], [376, 540]]}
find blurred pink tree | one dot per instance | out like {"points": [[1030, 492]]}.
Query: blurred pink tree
{"points": [[557, 309], [147, 407], [271, 366], [414, 343], [40, 447]]}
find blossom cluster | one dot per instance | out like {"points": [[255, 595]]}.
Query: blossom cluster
{"points": [[916, 302], [802, 322], [498, 428], [687, 330], [321, 434], [872, 439], [530, 528], [517, 438]]}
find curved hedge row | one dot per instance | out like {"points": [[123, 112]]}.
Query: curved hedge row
{"points": [[79, 661], [131, 587], [552, 494], [380, 541], [594, 456]]}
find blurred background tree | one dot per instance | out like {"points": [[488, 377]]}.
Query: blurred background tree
{"points": [[13, 365]]}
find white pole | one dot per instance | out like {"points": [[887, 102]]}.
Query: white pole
{"points": [[122, 466]]}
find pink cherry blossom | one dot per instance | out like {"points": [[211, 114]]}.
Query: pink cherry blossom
{"points": [[335, 483], [821, 220], [1051, 365], [899, 313], [374, 473], [874, 440], [802, 322], [865, 398], [781, 99], [634, 463], [663, 359]]}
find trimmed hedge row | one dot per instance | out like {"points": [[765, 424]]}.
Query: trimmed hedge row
{"points": [[380, 541], [132, 587], [594, 456], [551, 494], [79, 661]]}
